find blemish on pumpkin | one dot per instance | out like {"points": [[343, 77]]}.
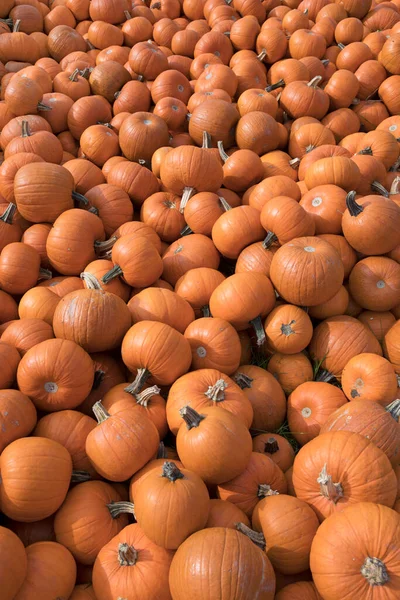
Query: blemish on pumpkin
{"points": [[178, 249]]}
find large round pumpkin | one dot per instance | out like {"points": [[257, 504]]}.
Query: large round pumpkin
{"points": [[13, 564]]}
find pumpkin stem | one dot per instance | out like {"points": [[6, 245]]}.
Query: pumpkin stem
{"points": [[118, 508], [394, 409], [171, 471], [275, 86], [98, 379], [262, 54], [74, 75], [86, 72], [341, 46], [191, 417], [127, 15], [156, 5], [331, 491], [264, 490], [269, 240], [94, 211], [206, 140], [43, 107], [315, 81], [80, 476], [216, 392], [325, 62], [374, 571], [326, 377], [162, 451], [243, 380], [205, 311], [378, 187], [143, 397], [102, 247], [116, 271], [140, 379], [187, 194], [16, 25], [222, 152], [100, 412], [225, 205], [259, 330], [395, 187], [257, 538], [352, 206], [271, 446], [77, 197], [186, 231], [8, 214], [367, 150], [91, 282], [294, 163], [44, 274], [127, 555], [25, 130], [396, 166], [286, 328]]}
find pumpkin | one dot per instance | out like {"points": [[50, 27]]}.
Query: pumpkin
{"points": [[86, 175], [157, 463], [371, 420], [46, 481], [157, 304], [56, 375], [10, 359], [100, 502], [215, 344], [93, 273], [337, 339], [254, 573], [378, 322], [26, 333], [288, 329], [126, 566], [196, 287], [202, 212], [83, 591], [277, 185], [273, 516], [284, 219], [225, 514], [345, 251], [14, 563], [190, 252], [300, 590], [369, 377], [357, 532], [266, 397], [325, 204], [38, 303], [309, 406], [177, 488], [328, 482], [36, 236], [391, 346], [290, 370], [299, 99], [44, 558], [69, 428], [206, 388], [161, 211], [18, 416], [19, 268], [218, 118], [304, 256], [196, 441], [261, 478], [374, 283], [155, 349], [236, 229], [276, 447], [229, 302]]}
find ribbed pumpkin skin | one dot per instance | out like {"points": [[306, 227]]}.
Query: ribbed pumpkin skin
{"points": [[13, 564], [301, 590], [198, 570], [360, 531], [17, 416], [362, 469]]}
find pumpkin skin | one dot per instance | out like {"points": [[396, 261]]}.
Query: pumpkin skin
{"points": [[225, 514], [260, 478], [181, 494], [196, 449], [49, 468], [308, 255], [309, 406], [14, 563], [369, 377], [131, 435], [108, 315], [157, 464], [215, 344], [85, 510], [83, 592], [69, 428], [236, 229], [362, 469], [391, 346], [274, 516], [337, 339], [19, 268], [208, 551], [372, 421], [301, 590], [288, 329], [291, 370], [378, 322], [361, 531], [51, 572], [117, 573], [190, 252], [276, 447], [18, 416], [374, 283], [206, 388], [162, 305], [56, 375], [266, 397], [197, 285], [38, 303]]}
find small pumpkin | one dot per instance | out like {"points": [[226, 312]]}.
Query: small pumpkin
{"points": [[369, 377], [215, 344], [14, 563]]}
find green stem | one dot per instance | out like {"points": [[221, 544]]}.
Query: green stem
{"points": [[352, 206], [116, 271], [259, 330]]}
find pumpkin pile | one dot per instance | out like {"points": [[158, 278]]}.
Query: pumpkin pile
{"points": [[200, 299]]}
